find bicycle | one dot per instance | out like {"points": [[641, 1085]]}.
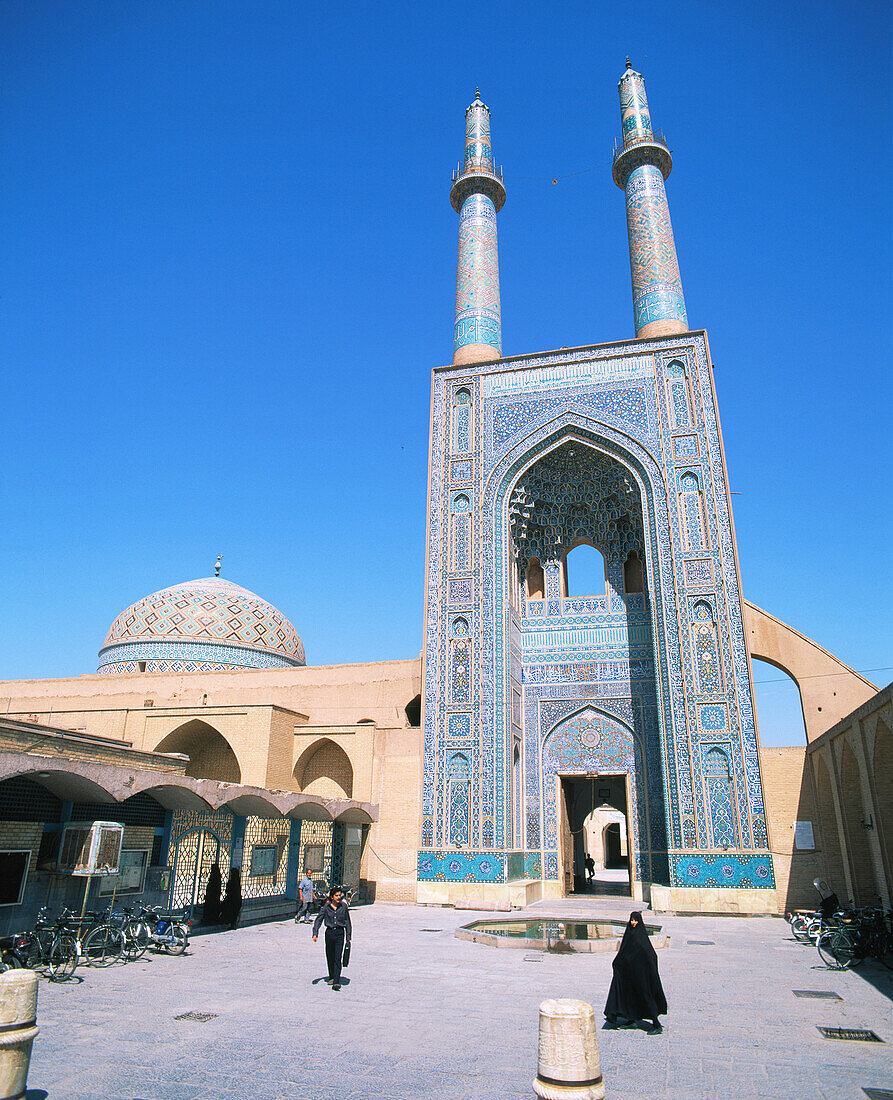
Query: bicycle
{"points": [[55, 946], [868, 933], [104, 944]]}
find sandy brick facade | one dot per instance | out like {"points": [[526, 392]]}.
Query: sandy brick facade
{"points": [[349, 723]]}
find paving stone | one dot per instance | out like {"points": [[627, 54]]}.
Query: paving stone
{"points": [[428, 1016]]}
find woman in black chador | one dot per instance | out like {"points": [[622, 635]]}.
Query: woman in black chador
{"points": [[636, 992], [211, 908], [231, 905]]}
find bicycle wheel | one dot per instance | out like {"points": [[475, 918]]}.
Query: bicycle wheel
{"points": [[837, 950], [9, 960], [64, 956], [798, 928], [103, 946], [178, 941], [136, 938]]}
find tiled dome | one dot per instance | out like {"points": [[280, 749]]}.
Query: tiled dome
{"points": [[202, 625]]}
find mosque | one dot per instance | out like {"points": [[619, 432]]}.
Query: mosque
{"points": [[539, 725]]}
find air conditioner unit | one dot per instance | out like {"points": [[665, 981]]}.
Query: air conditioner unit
{"points": [[91, 848]]}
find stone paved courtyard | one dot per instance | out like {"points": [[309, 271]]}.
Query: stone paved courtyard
{"points": [[427, 1015]]}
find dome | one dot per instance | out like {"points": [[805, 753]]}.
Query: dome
{"points": [[203, 625]]}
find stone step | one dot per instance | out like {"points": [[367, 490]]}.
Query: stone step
{"points": [[591, 903]]}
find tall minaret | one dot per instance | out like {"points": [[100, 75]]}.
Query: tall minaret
{"points": [[641, 164], [477, 195]]}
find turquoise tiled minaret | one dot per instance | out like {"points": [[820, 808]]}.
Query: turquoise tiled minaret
{"points": [[641, 164], [477, 195]]}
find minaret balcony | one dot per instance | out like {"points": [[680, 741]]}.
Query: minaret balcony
{"points": [[641, 150], [477, 175]]}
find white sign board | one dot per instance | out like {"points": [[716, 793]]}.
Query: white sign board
{"points": [[804, 839]]}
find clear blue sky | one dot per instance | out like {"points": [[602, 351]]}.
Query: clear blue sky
{"points": [[229, 267]]}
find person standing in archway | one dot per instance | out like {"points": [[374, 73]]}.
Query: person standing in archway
{"points": [[636, 992], [590, 870], [335, 914]]}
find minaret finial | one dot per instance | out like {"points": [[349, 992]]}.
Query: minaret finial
{"points": [[641, 164], [477, 196], [217, 566], [629, 63]]}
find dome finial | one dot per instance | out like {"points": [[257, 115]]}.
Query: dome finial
{"points": [[217, 566]]}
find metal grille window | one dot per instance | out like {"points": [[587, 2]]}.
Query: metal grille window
{"points": [[139, 809], [22, 799], [316, 848], [266, 856]]}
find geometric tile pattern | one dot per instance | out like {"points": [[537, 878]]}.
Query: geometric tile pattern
{"points": [[634, 115], [459, 801], [657, 286], [478, 316], [204, 622], [733, 871], [440, 866], [659, 671], [718, 779]]}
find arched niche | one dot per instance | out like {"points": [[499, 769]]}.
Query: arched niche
{"points": [[864, 889], [535, 580], [883, 775], [633, 573], [829, 837], [324, 769], [210, 754]]}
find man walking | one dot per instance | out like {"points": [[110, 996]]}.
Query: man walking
{"points": [[305, 893]]}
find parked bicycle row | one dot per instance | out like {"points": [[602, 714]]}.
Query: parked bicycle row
{"points": [[845, 937], [58, 946]]}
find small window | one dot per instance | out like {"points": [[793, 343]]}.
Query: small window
{"points": [[633, 574], [264, 859], [13, 875], [585, 571], [536, 581], [413, 711]]}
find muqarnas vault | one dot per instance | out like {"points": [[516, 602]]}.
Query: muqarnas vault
{"points": [[541, 708]]}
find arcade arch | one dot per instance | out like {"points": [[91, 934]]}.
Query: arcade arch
{"points": [[210, 754]]}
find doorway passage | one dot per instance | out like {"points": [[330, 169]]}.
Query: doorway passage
{"points": [[595, 834]]}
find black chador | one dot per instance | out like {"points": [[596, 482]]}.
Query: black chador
{"points": [[636, 992]]}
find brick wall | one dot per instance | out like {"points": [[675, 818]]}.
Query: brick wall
{"points": [[789, 797], [389, 859]]}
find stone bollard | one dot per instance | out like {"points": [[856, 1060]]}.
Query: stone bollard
{"points": [[18, 1016], [569, 1068]]}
